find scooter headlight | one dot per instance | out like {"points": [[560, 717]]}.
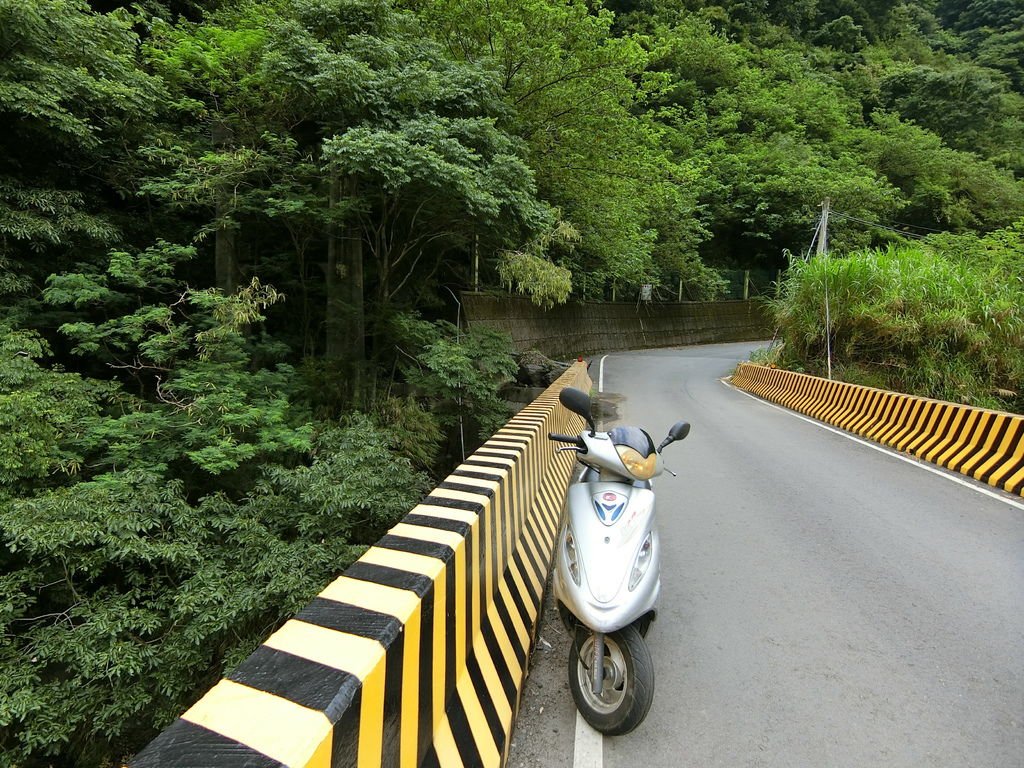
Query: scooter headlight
{"points": [[642, 562], [572, 556], [640, 467]]}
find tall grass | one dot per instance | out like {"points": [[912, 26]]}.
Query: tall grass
{"points": [[943, 322]]}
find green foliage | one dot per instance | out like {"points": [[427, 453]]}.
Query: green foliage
{"points": [[184, 456], [532, 271], [457, 372], [121, 600], [935, 320]]}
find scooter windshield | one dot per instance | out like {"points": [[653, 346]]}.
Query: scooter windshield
{"points": [[633, 437]]}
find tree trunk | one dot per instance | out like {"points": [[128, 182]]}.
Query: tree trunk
{"points": [[225, 247], [346, 324]]}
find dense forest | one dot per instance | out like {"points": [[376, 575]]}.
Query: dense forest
{"points": [[233, 234]]}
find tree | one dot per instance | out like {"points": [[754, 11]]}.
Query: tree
{"points": [[72, 104]]}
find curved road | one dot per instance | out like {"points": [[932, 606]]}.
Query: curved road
{"points": [[823, 603]]}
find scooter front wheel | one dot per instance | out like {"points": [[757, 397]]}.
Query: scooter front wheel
{"points": [[628, 688]]}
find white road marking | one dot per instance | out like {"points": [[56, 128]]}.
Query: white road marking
{"points": [[600, 375], [588, 750], [973, 485]]}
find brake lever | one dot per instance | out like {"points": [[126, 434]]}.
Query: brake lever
{"points": [[669, 471], [568, 448]]}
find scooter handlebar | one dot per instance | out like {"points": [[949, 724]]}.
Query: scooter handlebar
{"points": [[571, 439]]}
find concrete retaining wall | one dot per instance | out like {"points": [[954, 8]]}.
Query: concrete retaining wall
{"points": [[986, 445], [417, 654], [570, 330]]}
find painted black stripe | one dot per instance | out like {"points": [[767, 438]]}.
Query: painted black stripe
{"points": [[303, 681], [1000, 434], [441, 501], [486, 704], [480, 463], [464, 740], [517, 597], [441, 523], [345, 736], [968, 439], [510, 629], [508, 683], [535, 567], [392, 725], [479, 475], [1015, 439], [1017, 487], [501, 452], [508, 435], [465, 488], [416, 546], [449, 630], [352, 619], [430, 759], [187, 745], [489, 534], [524, 572], [426, 682], [391, 577], [469, 575]]}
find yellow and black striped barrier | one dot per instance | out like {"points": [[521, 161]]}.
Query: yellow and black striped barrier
{"points": [[983, 444], [416, 655]]}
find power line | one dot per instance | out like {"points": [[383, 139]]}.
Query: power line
{"points": [[880, 226]]}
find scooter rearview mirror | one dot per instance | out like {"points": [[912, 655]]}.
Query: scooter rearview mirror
{"points": [[678, 431], [578, 401]]}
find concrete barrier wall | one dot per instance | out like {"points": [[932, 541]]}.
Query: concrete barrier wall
{"points": [[986, 445], [417, 654], [569, 330]]}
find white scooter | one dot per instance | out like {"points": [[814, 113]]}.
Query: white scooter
{"points": [[607, 574]]}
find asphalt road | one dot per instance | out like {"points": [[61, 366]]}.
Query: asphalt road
{"points": [[823, 603]]}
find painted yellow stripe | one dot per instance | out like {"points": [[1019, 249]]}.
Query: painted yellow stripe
{"points": [[505, 462], [403, 561], [409, 745], [444, 745], [505, 644], [970, 444], [371, 718], [493, 682], [517, 621], [1012, 482], [520, 586], [938, 445], [950, 414], [424, 533], [488, 750], [445, 513], [484, 485], [441, 608], [400, 603], [981, 449], [969, 422], [448, 493], [461, 619], [283, 730], [339, 650], [1013, 433]]}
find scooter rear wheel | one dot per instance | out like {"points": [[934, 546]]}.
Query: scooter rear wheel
{"points": [[628, 688]]}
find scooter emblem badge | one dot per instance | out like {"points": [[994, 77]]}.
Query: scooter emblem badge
{"points": [[609, 506]]}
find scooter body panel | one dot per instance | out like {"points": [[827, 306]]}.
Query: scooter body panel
{"points": [[609, 523]]}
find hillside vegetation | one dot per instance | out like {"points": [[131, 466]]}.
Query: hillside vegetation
{"points": [[233, 232]]}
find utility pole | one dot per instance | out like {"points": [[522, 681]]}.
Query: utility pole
{"points": [[823, 251], [823, 227], [476, 263]]}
